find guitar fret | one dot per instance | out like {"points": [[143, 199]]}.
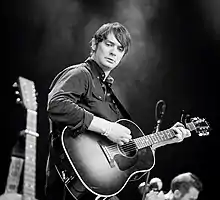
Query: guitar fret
{"points": [[147, 141], [30, 152], [29, 170], [31, 147], [169, 133], [154, 139], [158, 137], [139, 142], [142, 142], [30, 180], [31, 139], [31, 120], [162, 135], [26, 197], [31, 160], [29, 186], [191, 126], [30, 167], [28, 189], [150, 139]]}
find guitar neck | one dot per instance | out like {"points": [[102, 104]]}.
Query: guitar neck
{"points": [[159, 136], [30, 156]]}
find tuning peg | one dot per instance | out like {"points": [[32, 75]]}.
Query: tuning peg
{"points": [[18, 101], [15, 84], [17, 92], [204, 134]]}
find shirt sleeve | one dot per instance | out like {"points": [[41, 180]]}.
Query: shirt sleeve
{"points": [[64, 97]]}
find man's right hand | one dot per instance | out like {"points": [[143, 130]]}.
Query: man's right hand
{"points": [[118, 133], [112, 130]]}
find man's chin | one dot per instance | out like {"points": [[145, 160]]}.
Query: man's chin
{"points": [[109, 66]]}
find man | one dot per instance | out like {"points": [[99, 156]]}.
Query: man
{"points": [[81, 98], [185, 186]]}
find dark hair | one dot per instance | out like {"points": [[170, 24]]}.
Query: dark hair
{"points": [[185, 181], [119, 31]]}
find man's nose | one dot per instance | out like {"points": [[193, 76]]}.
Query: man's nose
{"points": [[113, 51]]}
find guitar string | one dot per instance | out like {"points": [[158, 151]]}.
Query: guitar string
{"points": [[144, 141]]}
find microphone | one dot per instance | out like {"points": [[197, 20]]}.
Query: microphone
{"points": [[155, 184], [159, 113]]}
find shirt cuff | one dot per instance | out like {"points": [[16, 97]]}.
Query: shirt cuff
{"points": [[87, 119]]}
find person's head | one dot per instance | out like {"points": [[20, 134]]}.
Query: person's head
{"points": [[186, 186], [109, 45]]}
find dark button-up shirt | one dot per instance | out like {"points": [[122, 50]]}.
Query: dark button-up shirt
{"points": [[78, 93]]}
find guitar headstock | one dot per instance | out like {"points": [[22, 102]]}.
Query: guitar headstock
{"points": [[27, 93], [199, 125]]}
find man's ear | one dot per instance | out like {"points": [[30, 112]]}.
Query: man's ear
{"points": [[177, 194], [93, 44]]}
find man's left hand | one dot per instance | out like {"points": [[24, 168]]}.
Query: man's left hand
{"points": [[181, 131]]}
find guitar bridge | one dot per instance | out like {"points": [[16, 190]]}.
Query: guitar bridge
{"points": [[107, 154]]}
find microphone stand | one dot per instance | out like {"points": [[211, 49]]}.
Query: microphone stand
{"points": [[159, 113]]}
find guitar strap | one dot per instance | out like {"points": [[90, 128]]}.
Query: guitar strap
{"points": [[122, 109]]}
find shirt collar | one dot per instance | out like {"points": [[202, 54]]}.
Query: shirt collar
{"points": [[98, 72]]}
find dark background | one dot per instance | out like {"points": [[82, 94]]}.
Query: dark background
{"points": [[174, 56]]}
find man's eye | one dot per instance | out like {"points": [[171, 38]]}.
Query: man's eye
{"points": [[121, 49], [108, 44]]}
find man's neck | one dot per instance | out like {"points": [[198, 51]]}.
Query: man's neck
{"points": [[106, 72]]}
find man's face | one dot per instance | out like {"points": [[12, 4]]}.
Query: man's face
{"points": [[191, 195], [108, 53]]}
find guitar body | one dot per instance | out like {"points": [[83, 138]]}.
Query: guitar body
{"points": [[102, 166], [11, 196]]}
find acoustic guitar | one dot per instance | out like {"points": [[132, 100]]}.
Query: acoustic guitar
{"points": [[28, 100], [104, 167]]}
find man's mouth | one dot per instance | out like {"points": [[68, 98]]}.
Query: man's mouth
{"points": [[110, 60]]}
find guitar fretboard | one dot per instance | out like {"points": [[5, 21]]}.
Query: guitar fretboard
{"points": [[158, 137], [30, 156]]}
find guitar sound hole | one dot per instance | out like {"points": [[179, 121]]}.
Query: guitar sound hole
{"points": [[128, 149]]}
